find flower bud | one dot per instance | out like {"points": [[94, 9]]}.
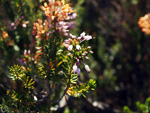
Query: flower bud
{"points": [[83, 54], [78, 71], [77, 60], [24, 25], [12, 24], [75, 68], [91, 52], [87, 68], [83, 62], [89, 47], [86, 57], [69, 54], [82, 34], [25, 52]]}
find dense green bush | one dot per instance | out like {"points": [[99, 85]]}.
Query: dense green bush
{"points": [[47, 58]]}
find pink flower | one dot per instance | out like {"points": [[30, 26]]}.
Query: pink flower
{"points": [[12, 24], [91, 52], [87, 68]]}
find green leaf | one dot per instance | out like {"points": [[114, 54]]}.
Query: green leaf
{"points": [[74, 78]]}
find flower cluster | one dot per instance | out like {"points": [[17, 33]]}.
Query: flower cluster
{"points": [[57, 10], [41, 29], [60, 12], [4, 35], [79, 52], [19, 21], [5, 38], [144, 23], [59, 19], [29, 57], [64, 26]]}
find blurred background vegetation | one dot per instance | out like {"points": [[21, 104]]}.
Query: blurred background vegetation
{"points": [[121, 60]]}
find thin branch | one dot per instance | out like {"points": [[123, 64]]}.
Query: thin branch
{"points": [[68, 84], [22, 9]]}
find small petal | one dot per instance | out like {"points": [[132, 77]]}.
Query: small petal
{"points": [[87, 68]]}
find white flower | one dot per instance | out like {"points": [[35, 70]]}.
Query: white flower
{"points": [[82, 34], [74, 15], [35, 98], [75, 68], [70, 47], [79, 38], [24, 25], [65, 27], [78, 47], [87, 68], [62, 23], [88, 37], [89, 47]]}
